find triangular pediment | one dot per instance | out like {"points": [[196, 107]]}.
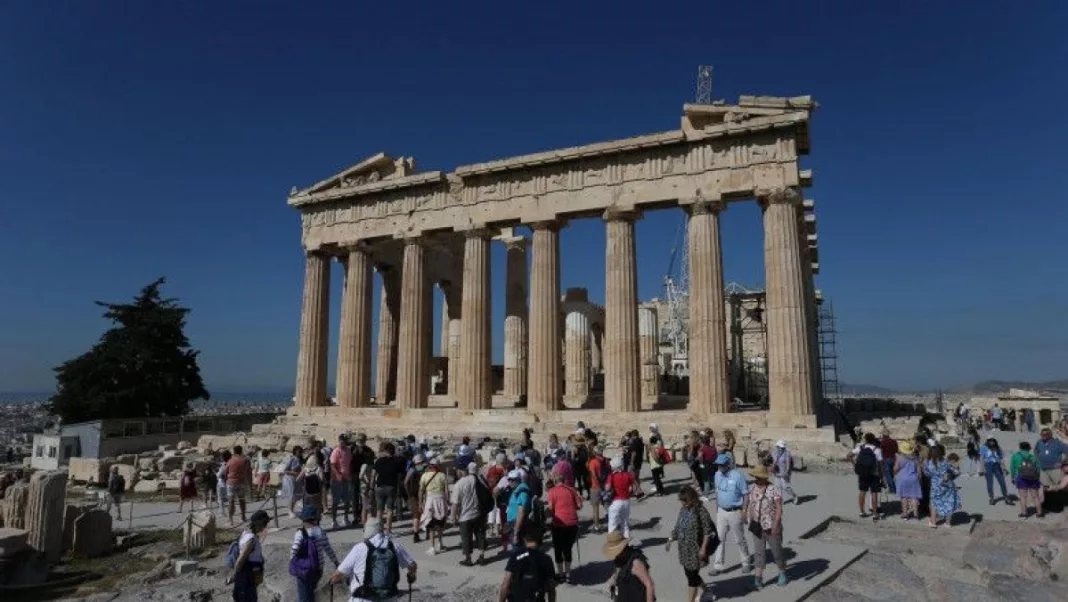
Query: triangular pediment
{"points": [[371, 170]]}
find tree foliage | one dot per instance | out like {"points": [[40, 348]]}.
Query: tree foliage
{"points": [[142, 366]]}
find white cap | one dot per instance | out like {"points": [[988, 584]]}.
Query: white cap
{"points": [[616, 463], [514, 475], [502, 459], [931, 442], [653, 426], [781, 444], [472, 468]]}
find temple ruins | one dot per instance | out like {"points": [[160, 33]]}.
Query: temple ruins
{"points": [[409, 231]]}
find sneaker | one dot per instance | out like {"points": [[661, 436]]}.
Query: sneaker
{"points": [[704, 498], [747, 568], [757, 583], [782, 579], [717, 568], [431, 552]]}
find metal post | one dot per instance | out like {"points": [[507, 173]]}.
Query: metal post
{"points": [[130, 528], [274, 503], [188, 534]]}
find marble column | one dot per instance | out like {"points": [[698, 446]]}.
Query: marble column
{"points": [[543, 356], [622, 376], [443, 339], [576, 359], [649, 352], [515, 320], [388, 325], [596, 357], [708, 363], [413, 351], [314, 336], [354, 348], [450, 332], [475, 376], [789, 356]]}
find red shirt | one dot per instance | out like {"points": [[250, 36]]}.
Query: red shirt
{"points": [[237, 470], [494, 475], [565, 502], [621, 483], [708, 455], [595, 473]]}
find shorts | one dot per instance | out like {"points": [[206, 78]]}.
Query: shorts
{"points": [[385, 498], [236, 491], [693, 578], [870, 483], [263, 478], [341, 492], [1022, 483], [1050, 477]]}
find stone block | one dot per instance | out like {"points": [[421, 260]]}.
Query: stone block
{"points": [[185, 567], [200, 532], [167, 464], [170, 484], [88, 470], [147, 475], [213, 443], [168, 448], [148, 486], [70, 514], [44, 513], [130, 459], [13, 506], [92, 534], [269, 442], [304, 441], [185, 445], [12, 541], [146, 464]]}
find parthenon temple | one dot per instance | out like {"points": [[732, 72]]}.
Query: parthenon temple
{"points": [[423, 229]]}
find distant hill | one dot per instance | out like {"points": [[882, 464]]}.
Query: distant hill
{"points": [[1001, 386], [860, 389]]}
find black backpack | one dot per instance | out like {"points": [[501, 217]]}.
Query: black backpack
{"points": [[537, 518], [535, 484], [381, 572], [579, 458], [529, 584], [485, 496], [866, 465]]}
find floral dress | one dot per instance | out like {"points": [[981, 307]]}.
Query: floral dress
{"points": [[945, 499], [761, 506], [692, 526]]}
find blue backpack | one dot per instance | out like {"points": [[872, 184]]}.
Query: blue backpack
{"points": [[381, 572], [306, 561], [233, 553]]}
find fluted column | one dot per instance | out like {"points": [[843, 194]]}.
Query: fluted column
{"points": [[413, 350], [708, 363], [450, 332], [314, 322], [476, 389], [622, 388], [543, 355], [354, 348], [576, 359], [649, 351], [388, 325], [515, 320], [789, 357]]}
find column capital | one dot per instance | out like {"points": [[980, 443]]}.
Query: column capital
{"points": [[715, 207], [479, 232], [360, 246], [552, 224], [626, 214], [384, 268], [516, 243], [779, 196]]}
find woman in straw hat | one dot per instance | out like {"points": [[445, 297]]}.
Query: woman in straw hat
{"points": [[630, 581], [763, 515], [907, 479]]}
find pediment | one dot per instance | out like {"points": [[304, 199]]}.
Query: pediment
{"points": [[371, 170]]}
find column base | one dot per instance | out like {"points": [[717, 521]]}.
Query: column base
{"points": [[575, 402], [791, 420]]}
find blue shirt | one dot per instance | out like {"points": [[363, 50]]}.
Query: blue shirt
{"points": [[730, 489], [1049, 453], [989, 455], [520, 498]]}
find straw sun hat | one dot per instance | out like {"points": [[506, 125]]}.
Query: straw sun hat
{"points": [[614, 544]]}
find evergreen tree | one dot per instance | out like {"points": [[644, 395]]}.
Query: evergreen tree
{"points": [[142, 366]]}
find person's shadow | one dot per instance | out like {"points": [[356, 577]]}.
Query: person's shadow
{"points": [[592, 573]]}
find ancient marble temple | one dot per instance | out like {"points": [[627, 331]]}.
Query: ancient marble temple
{"points": [[409, 231]]}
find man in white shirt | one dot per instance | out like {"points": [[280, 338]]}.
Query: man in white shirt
{"points": [[466, 515], [355, 564]]}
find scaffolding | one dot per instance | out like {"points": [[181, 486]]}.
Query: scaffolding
{"points": [[828, 335]]}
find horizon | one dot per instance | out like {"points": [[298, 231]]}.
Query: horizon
{"points": [[162, 140]]}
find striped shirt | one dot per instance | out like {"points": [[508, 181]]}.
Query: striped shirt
{"points": [[321, 541]]}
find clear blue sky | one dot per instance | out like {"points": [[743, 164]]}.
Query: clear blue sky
{"points": [[140, 139]]}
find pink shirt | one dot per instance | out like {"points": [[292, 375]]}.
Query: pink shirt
{"points": [[565, 502], [341, 463]]}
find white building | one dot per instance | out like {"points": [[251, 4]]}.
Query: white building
{"points": [[52, 452]]}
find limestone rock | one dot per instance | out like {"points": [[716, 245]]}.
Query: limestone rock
{"points": [[201, 532], [167, 464], [13, 506], [92, 534], [70, 514], [88, 470], [147, 475], [148, 486], [146, 464], [304, 441], [130, 459], [44, 513], [185, 445], [167, 448], [268, 442], [12, 541]]}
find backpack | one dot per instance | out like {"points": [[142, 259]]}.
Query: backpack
{"points": [[313, 485], [528, 584], [535, 484], [604, 472], [381, 572], [580, 456], [117, 485], [663, 455], [306, 562], [629, 587], [1028, 471], [537, 518], [233, 553], [484, 495], [866, 465]]}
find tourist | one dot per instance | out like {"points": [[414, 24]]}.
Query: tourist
{"points": [[238, 481], [220, 477], [763, 518], [635, 456], [731, 489], [1024, 468], [116, 488], [1029, 420], [564, 503], [1051, 452], [341, 481], [693, 460], [361, 456], [494, 478], [187, 488], [367, 492], [622, 485], [729, 441], [465, 454], [553, 446], [415, 471], [888, 450], [1062, 484], [389, 468], [292, 485], [528, 576], [708, 456], [433, 493], [263, 474], [599, 470], [314, 483], [520, 507], [579, 456], [994, 468], [209, 482], [782, 462], [696, 534], [973, 458], [630, 581], [907, 477], [309, 534], [367, 582], [923, 452], [654, 430], [867, 464], [657, 455], [945, 497], [248, 568], [466, 513], [996, 416]]}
